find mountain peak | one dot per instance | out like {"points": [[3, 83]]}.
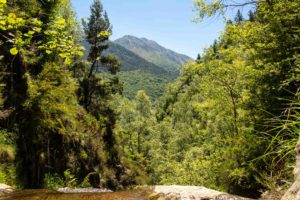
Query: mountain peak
{"points": [[132, 37], [128, 36], [153, 52], [129, 40]]}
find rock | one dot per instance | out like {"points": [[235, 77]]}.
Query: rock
{"points": [[293, 193], [83, 190], [153, 196], [4, 189], [272, 195], [188, 193]]}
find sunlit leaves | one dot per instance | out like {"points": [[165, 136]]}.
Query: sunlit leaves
{"points": [[60, 42], [12, 25], [13, 51], [61, 21], [104, 34], [206, 8]]}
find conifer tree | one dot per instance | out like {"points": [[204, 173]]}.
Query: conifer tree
{"points": [[229, 21], [97, 32], [251, 16], [97, 86], [239, 17]]}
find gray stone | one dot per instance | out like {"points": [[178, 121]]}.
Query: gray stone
{"points": [[293, 193], [83, 190], [4, 189], [190, 193]]}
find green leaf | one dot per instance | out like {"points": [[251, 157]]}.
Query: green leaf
{"points": [[14, 51], [48, 52], [104, 34], [61, 21], [62, 55], [37, 29], [12, 15], [80, 53], [67, 61]]}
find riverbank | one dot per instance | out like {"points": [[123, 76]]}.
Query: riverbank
{"points": [[187, 193], [173, 192]]}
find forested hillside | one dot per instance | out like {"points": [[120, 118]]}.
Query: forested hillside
{"points": [[154, 53], [131, 61], [230, 121], [145, 65], [137, 73]]}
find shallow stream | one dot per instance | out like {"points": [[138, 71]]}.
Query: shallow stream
{"points": [[53, 195]]}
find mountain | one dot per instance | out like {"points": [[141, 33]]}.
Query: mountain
{"points": [[131, 61], [139, 74], [145, 65], [154, 53]]}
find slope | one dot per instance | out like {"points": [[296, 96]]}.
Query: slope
{"points": [[139, 74], [154, 53]]}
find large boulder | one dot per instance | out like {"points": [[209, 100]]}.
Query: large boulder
{"points": [[293, 192], [4, 189], [176, 192]]}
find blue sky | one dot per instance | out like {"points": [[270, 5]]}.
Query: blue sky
{"points": [[168, 22]]}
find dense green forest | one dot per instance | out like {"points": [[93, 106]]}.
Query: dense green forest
{"points": [[228, 122]]}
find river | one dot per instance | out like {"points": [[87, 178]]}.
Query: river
{"points": [[53, 195], [142, 193]]}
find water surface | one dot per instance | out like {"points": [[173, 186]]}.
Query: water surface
{"points": [[53, 195]]}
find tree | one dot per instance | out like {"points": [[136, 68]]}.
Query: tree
{"points": [[238, 17], [59, 108], [37, 62], [97, 32], [97, 87], [277, 61], [251, 16], [208, 9], [229, 21], [143, 107]]}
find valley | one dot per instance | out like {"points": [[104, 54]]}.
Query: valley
{"points": [[145, 65]]}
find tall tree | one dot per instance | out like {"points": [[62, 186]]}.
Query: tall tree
{"points": [[251, 16], [238, 17], [97, 32], [97, 87]]}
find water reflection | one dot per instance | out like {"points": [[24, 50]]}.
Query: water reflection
{"points": [[53, 195]]}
